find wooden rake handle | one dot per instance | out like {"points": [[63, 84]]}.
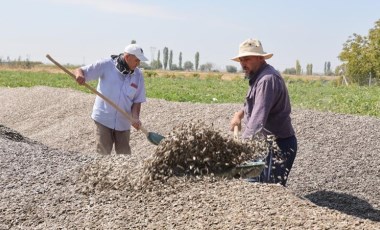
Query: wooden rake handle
{"points": [[127, 115]]}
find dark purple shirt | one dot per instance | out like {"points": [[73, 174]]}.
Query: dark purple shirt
{"points": [[267, 108]]}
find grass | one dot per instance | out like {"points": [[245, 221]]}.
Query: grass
{"points": [[319, 95], [324, 96], [196, 90], [10, 78]]}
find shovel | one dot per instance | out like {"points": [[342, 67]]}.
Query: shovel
{"points": [[236, 132], [154, 138], [245, 170]]}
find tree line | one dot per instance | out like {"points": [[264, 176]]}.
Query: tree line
{"points": [[18, 63], [360, 57], [167, 62], [297, 70]]}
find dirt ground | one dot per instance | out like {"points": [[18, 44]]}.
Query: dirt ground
{"points": [[51, 178]]}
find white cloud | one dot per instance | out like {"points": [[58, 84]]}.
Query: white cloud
{"points": [[125, 7]]}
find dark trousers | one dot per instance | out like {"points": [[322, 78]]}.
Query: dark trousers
{"points": [[278, 165], [106, 138]]}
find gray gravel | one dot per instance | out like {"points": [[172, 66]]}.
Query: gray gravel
{"points": [[52, 178]]}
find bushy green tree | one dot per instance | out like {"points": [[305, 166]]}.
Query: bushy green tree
{"points": [[374, 46], [231, 69], [188, 65], [174, 67], [207, 67], [155, 64], [340, 70], [291, 71], [144, 65], [361, 55]]}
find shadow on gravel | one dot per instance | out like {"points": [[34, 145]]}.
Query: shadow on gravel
{"points": [[345, 203], [13, 135]]}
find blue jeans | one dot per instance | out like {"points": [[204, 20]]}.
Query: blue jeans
{"points": [[277, 168]]}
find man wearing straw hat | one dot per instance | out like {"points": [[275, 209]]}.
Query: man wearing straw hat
{"points": [[266, 110]]}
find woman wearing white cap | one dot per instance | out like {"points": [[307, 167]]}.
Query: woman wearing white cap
{"points": [[120, 80], [266, 110]]}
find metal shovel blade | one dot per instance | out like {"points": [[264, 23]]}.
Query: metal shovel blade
{"points": [[155, 138], [245, 170], [250, 169]]}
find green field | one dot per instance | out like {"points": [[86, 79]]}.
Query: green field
{"points": [[309, 94]]}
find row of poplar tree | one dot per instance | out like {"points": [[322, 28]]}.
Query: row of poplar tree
{"points": [[167, 61]]}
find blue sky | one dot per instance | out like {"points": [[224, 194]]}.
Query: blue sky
{"points": [[83, 31]]}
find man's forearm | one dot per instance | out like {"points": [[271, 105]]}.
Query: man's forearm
{"points": [[136, 107], [239, 114]]}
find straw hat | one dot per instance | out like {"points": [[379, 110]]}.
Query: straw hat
{"points": [[251, 47]]}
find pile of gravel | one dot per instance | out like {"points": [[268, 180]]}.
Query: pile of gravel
{"points": [[52, 178]]}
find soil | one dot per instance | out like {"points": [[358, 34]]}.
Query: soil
{"points": [[52, 178]]}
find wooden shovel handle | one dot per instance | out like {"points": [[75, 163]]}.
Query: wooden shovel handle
{"points": [[236, 132], [127, 115]]}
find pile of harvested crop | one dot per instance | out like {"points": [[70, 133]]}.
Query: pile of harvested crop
{"points": [[11, 134], [197, 149], [103, 175]]}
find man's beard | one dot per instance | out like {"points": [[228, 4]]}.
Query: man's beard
{"points": [[248, 75]]}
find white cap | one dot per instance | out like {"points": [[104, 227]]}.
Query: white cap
{"points": [[135, 50]]}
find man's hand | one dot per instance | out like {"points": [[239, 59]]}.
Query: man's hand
{"points": [[136, 124], [236, 120], [79, 76]]}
